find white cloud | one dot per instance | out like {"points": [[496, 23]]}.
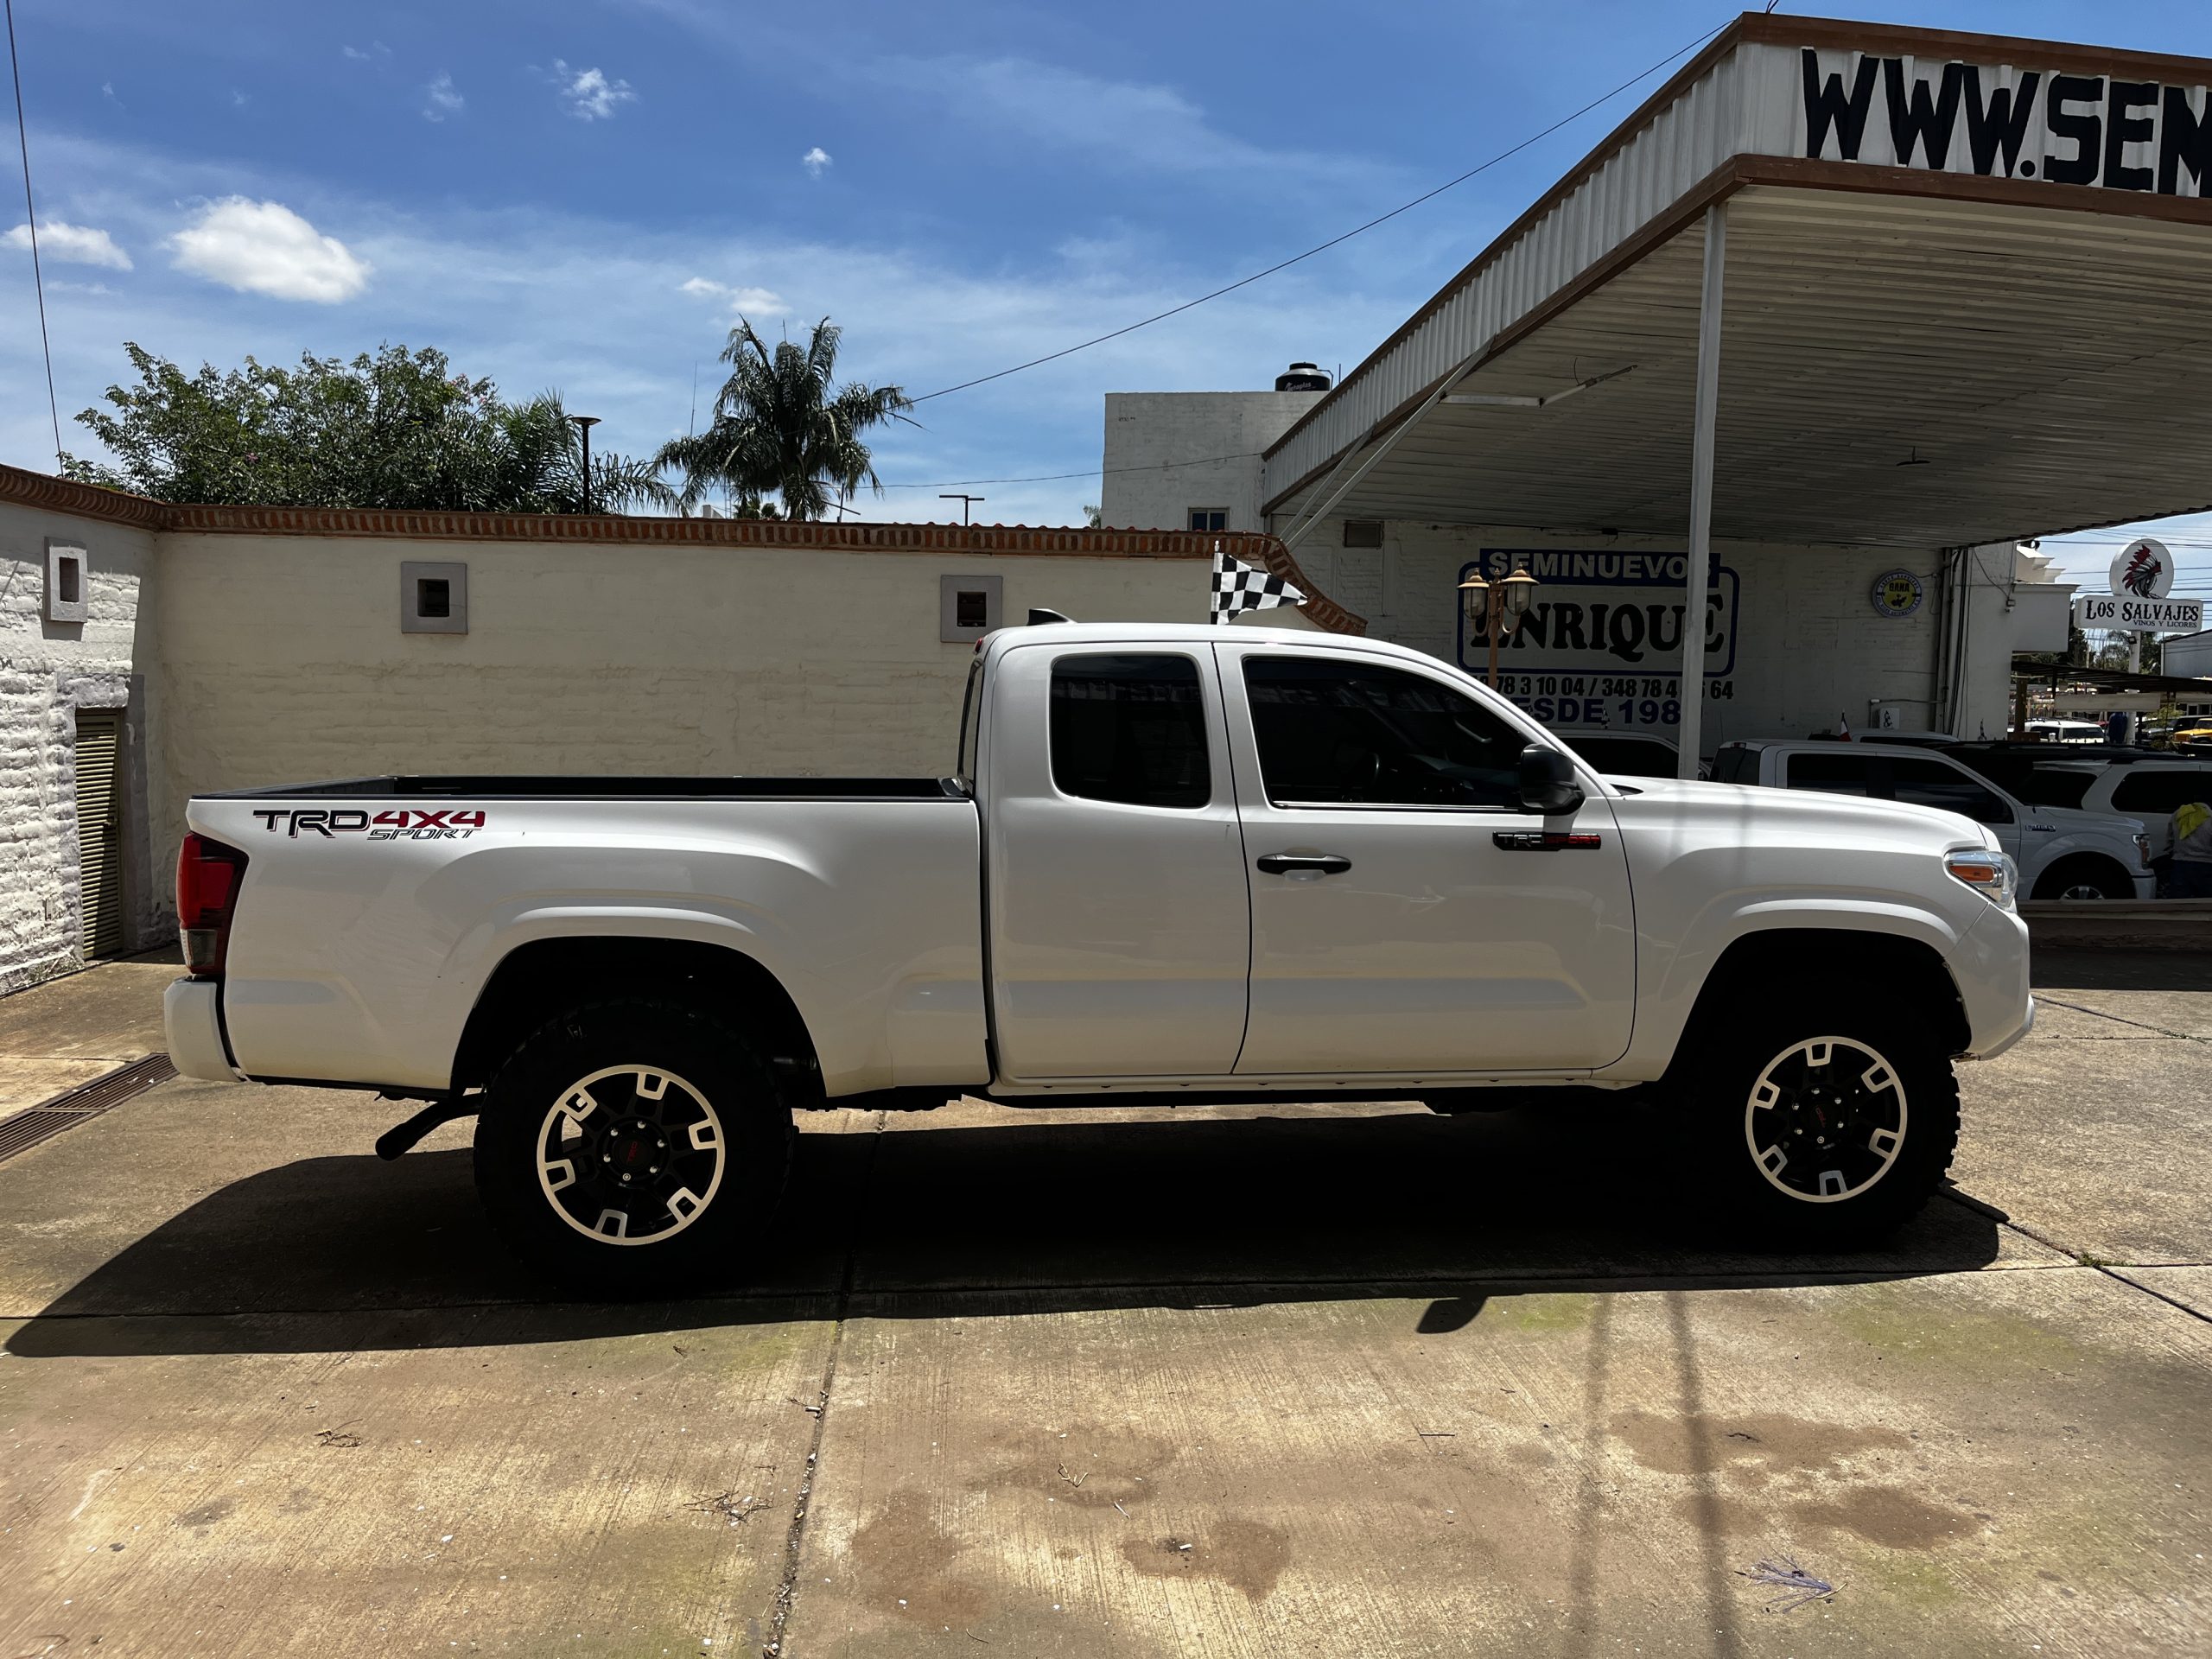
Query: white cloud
{"points": [[238, 98], [78, 244], [588, 93], [78, 287], [743, 301], [263, 247], [816, 161], [443, 99], [376, 50]]}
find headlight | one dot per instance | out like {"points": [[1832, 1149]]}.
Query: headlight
{"points": [[2143, 849], [1992, 875]]}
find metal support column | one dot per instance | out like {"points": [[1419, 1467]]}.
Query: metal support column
{"points": [[1701, 560]]}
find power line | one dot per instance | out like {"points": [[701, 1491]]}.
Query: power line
{"points": [[1246, 282], [30, 218]]}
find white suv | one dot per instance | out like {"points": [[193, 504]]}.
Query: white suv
{"points": [[2061, 853], [2153, 791]]}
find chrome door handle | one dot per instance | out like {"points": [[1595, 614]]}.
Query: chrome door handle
{"points": [[1322, 863]]}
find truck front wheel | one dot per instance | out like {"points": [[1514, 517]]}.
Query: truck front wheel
{"points": [[1828, 1127], [627, 1147]]}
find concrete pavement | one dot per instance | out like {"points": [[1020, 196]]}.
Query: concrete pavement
{"points": [[1136, 1382]]}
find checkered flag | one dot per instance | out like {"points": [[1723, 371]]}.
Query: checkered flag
{"points": [[1238, 586]]}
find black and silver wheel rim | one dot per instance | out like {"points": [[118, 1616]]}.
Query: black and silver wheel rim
{"points": [[631, 1155], [2081, 892], [1826, 1119]]}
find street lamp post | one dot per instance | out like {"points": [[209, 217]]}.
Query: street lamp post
{"points": [[584, 424], [1497, 607]]}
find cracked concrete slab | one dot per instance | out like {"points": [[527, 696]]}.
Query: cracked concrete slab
{"points": [[2102, 1148], [1974, 1454], [521, 1479], [2190, 1286]]}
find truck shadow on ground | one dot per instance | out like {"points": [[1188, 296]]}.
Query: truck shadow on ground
{"points": [[917, 1221]]}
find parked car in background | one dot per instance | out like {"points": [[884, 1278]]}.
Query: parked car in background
{"points": [[2152, 790], [2024, 769], [2193, 732], [2068, 731], [2062, 854], [1629, 754]]}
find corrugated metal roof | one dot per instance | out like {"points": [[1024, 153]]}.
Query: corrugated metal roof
{"points": [[2046, 370], [1850, 286]]}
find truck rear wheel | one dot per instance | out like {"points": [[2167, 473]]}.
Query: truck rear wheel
{"points": [[629, 1146], [1827, 1125]]}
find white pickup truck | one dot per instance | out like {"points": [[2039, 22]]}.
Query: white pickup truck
{"points": [[1172, 864]]}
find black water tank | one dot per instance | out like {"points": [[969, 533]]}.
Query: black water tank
{"points": [[1302, 376]]}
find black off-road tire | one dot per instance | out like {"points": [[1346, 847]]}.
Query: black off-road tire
{"points": [[577, 1094], [1840, 1183]]}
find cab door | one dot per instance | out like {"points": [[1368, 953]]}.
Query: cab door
{"points": [[1118, 933], [1408, 915]]}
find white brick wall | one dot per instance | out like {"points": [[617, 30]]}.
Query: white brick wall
{"points": [[48, 671]]}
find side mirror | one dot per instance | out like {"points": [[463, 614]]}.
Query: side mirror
{"points": [[1547, 783]]}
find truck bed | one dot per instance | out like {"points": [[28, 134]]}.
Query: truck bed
{"points": [[495, 787]]}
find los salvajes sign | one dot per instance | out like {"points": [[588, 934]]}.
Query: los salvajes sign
{"points": [[2006, 122], [2142, 575], [1601, 646], [2121, 613]]}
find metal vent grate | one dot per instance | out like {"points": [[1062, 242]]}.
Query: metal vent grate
{"points": [[48, 1118]]}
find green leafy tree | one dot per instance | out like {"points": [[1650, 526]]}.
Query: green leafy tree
{"points": [[398, 429], [782, 426]]}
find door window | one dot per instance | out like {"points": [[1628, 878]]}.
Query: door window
{"points": [[1130, 729], [1840, 773], [1932, 783], [2161, 792], [1346, 734]]}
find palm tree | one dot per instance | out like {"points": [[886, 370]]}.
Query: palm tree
{"points": [[781, 425], [542, 462]]}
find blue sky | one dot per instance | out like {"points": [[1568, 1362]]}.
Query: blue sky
{"points": [[578, 193]]}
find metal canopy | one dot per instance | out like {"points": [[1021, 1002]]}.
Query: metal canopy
{"points": [[1904, 369]]}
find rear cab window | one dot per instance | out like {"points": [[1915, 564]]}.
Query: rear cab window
{"points": [[1130, 727]]}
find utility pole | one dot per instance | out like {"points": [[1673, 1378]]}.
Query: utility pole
{"points": [[584, 424], [966, 502]]}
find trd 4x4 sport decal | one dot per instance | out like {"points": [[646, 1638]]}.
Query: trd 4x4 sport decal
{"points": [[394, 823]]}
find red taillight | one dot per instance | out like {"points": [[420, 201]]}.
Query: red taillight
{"points": [[207, 878]]}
